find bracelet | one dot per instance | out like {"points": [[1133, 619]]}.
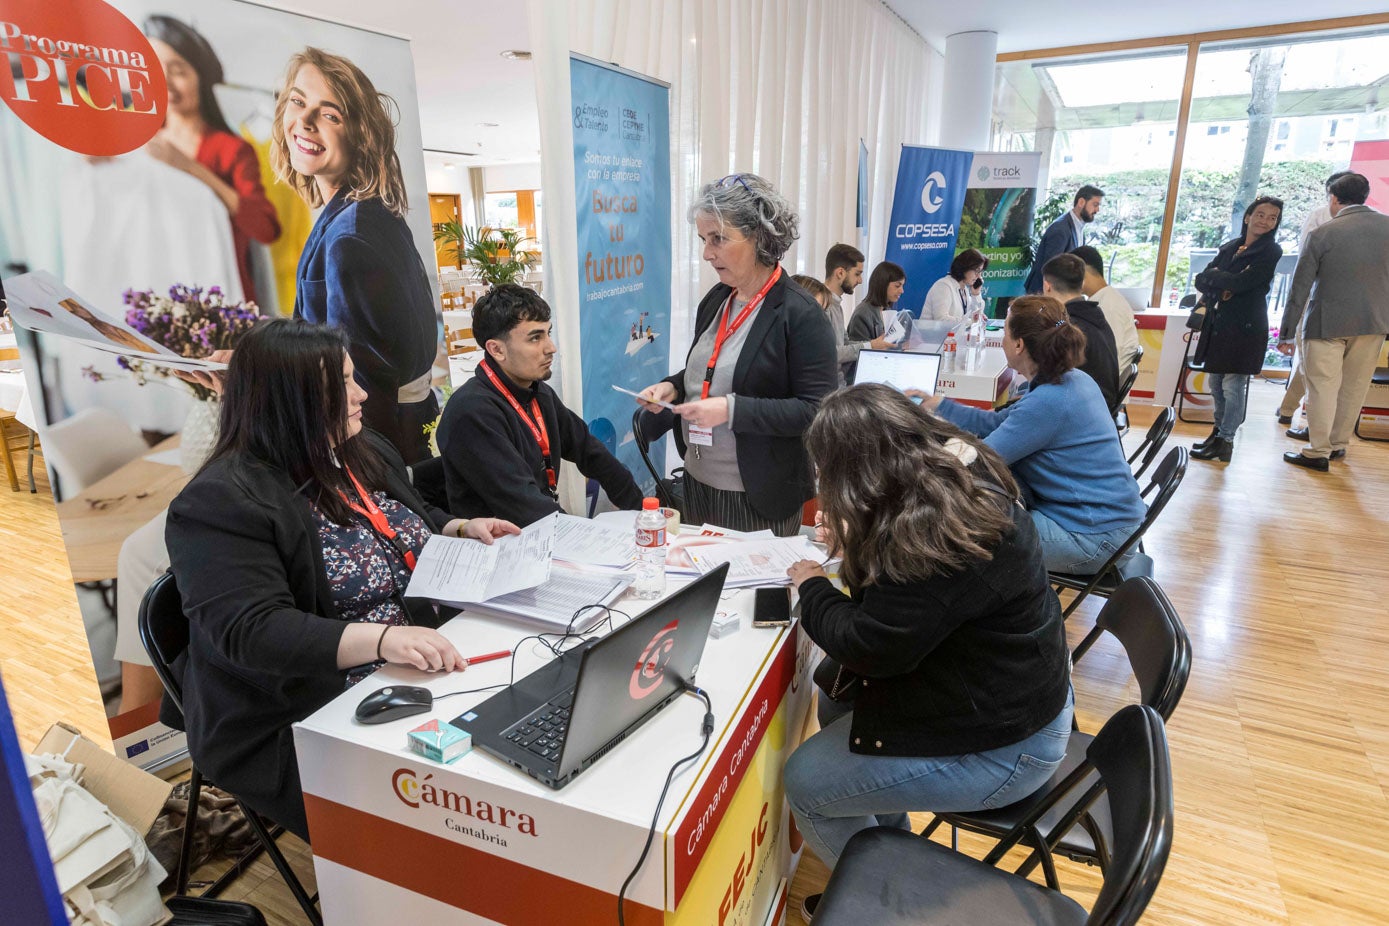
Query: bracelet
{"points": [[379, 641], [462, 523]]}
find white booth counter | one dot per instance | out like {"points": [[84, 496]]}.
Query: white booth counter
{"points": [[988, 385], [398, 838]]}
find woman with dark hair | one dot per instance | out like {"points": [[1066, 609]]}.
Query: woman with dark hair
{"points": [[333, 141], [292, 548], [1234, 333], [958, 294], [763, 357], [196, 139], [1059, 440], [885, 285], [953, 672]]}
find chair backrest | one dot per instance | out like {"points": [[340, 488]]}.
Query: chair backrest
{"points": [[1135, 770], [164, 632], [646, 428], [1146, 624], [1162, 485], [91, 444], [1157, 435], [1125, 385]]}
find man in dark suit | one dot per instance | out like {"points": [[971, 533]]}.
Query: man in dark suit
{"points": [[1063, 278], [1065, 234]]}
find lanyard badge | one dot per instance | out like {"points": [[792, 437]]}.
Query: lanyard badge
{"points": [[378, 521], [726, 330], [535, 421]]}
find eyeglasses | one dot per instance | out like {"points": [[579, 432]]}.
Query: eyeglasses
{"points": [[724, 183]]}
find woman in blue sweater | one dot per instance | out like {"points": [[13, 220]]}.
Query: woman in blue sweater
{"points": [[1059, 440]]}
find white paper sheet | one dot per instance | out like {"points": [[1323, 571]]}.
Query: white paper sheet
{"points": [[638, 396], [579, 540], [556, 602], [460, 571], [756, 562]]}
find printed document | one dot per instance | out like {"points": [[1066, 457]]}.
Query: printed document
{"points": [[458, 570], [567, 601], [579, 540], [756, 562]]}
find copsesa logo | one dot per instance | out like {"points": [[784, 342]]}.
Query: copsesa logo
{"points": [[930, 201]]}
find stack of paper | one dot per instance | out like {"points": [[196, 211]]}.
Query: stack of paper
{"points": [[559, 603], [460, 571], [759, 562], [589, 543], [678, 561]]}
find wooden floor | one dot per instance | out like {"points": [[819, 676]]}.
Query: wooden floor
{"points": [[1280, 747]]}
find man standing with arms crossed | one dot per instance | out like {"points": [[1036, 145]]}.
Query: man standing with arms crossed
{"points": [[1348, 261]]}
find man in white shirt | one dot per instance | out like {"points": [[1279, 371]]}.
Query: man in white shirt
{"points": [[1115, 307], [1297, 385]]}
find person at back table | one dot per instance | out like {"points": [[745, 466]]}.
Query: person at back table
{"points": [[504, 432], [1112, 303], [292, 548], [1059, 440], [885, 285], [960, 292], [1063, 279], [843, 274], [1065, 234]]}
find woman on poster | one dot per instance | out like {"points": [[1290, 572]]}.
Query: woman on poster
{"points": [[333, 140]]}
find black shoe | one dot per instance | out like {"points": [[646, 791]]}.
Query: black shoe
{"points": [[1218, 449], [1210, 439], [1316, 464], [808, 906], [1338, 454], [1285, 419], [1297, 433]]}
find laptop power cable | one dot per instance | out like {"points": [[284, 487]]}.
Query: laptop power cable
{"points": [[706, 730]]}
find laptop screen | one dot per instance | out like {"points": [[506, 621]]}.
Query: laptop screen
{"points": [[898, 369]]}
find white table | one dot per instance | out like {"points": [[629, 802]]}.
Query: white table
{"points": [[722, 853]]}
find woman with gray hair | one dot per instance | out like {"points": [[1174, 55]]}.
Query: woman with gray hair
{"points": [[763, 357]]}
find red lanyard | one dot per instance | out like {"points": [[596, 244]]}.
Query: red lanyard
{"points": [[377, 518], [725, 330], [535, 421]]}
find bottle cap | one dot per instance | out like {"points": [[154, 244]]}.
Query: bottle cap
{"points": [[650, 504]]}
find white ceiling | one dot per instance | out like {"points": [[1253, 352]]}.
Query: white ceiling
{"points": [[1024, 25]]}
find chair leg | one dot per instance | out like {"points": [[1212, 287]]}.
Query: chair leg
{"points": [[1041, 853], [190, 825], [932, 826], [282, 866], [1085, 644]]}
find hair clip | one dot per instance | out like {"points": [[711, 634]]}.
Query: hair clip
{"points": [[1060, 322]]}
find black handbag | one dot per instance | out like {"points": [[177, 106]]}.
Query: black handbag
{"points": [[838, 683]]}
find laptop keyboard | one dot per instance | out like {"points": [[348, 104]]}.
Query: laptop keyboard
{"points": [[542, 731]]}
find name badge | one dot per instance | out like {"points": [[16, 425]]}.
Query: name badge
{"points": [[701, 437]]}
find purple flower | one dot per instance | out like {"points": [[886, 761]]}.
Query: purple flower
{"points": [[123, 362]]}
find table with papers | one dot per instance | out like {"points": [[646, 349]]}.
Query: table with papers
{"points": [[397, 837]]}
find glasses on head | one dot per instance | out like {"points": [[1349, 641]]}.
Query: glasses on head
{"points": [[724, 183]]}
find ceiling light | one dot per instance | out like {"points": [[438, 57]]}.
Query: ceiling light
{"points": [[516, 54], [487, 125], [449, 166]]}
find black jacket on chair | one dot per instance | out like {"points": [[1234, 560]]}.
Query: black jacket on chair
{"points": [[787, 365], [263, 630], [1234, 335]]}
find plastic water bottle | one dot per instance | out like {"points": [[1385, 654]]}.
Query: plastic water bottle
{"points": [[651, 550], [947, 353]]}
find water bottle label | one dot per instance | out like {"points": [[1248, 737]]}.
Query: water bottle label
{"points": [[651, 536]]}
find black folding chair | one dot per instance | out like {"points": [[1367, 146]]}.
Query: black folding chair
{"points": [[1166, 478], [1125, 386], [1158, 648], [890, 877], [164, 633], [1146, 452], [646, 428]]}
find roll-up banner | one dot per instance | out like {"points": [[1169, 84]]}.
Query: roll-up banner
{"points": [[622, 194], [997, 217], [121, 231], [926, 208]]}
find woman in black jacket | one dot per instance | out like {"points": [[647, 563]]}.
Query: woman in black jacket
{"points": [[951, 643], [291, 549], [1234, 335], [763, 356]]}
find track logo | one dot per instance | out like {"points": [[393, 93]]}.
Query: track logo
{"points": [[651, 664]]}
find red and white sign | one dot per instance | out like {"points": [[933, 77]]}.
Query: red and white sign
{"points": [[80, 74]]}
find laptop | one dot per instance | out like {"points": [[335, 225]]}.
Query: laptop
{"points": [[898, 369], [566, 715]]}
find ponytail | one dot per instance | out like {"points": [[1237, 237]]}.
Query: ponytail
{"points": [[1053, 342]]}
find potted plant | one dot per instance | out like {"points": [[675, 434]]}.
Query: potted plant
{"points": [[495, 254]]}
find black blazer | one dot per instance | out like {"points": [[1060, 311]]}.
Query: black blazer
{"points": [[1234, 333], [263, 631], [787, 365], [360, 271], [1059, 238], [960, 663]]}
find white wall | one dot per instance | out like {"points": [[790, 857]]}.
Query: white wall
{"points": [[500, 178]]}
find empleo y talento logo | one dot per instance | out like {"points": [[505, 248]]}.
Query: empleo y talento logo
{"points": [[80, 74], [651, 664], [930, 200]]}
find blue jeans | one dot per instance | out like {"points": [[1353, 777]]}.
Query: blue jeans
{"points": [[834, 793], [1078, 554], [1228, 394]]}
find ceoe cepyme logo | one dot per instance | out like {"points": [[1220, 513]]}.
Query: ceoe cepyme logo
{"points": [[80, 74], [929, 200], [651, 664]]}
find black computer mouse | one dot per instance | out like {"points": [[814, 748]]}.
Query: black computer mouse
{"points": [[393, 703]]}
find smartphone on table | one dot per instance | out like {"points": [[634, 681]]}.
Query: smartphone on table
{"points": [[771, 607]]}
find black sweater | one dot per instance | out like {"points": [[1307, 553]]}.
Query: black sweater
{"points": [[263, 630], [493, 465], [957, 664], [1101, 354]]}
